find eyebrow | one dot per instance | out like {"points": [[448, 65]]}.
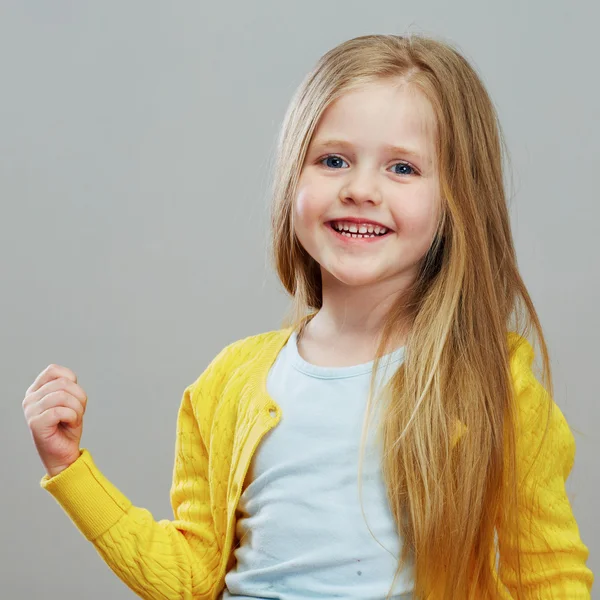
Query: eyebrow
{"points": [[391, 148]]}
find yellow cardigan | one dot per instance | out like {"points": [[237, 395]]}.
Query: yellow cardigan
{"points": [[222, 418]]}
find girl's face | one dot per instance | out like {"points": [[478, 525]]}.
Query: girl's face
{"points": [[371, 159]]}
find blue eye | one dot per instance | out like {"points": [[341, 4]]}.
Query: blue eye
{"points": [[333, 159], [335, 162], [403, 166]]}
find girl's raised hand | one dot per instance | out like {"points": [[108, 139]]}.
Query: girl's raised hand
{"points": [[54, 406]]}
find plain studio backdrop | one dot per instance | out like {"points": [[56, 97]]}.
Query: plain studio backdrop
{"points": [[135, 152]]}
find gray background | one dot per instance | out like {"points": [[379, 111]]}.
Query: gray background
{"points": [[135, 150]]}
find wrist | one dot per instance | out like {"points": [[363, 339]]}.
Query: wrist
{"points": [[54, 470]]}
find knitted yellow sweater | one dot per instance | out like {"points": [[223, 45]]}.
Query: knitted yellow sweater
{"points": [[222, 418]]}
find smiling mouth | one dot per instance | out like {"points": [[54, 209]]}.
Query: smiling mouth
{"points": [[348, 235]]}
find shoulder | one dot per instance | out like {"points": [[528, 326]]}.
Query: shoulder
{"points": [[233, 361], [544, 439], [521, 357], [246, 350]]}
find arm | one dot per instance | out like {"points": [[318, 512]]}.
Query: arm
{"points": [[163, 560], [553, 558]]}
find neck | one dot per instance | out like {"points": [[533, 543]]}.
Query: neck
{"points": [[354, 313]]}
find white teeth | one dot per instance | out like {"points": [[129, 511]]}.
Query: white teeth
{"points": [[358, 235], [360, 230]]}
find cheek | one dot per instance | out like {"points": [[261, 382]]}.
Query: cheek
{"points": [[310, 204], [419, 219], [303, 215], [302, 204]]}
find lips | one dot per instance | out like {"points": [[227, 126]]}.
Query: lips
{"points": [[359, 221], [348, 236]]}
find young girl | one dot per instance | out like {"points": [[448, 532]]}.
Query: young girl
{"points": [[392, 439]]}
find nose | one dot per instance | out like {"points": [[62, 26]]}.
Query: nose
{"points": [[360, 187]]}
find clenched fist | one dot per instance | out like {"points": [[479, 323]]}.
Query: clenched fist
{"points": [[54, 405]]}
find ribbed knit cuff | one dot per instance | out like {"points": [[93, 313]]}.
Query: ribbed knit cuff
{"points": [[92, 502]]}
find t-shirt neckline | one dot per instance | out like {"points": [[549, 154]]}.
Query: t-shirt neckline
{"points": [[337, 372]]}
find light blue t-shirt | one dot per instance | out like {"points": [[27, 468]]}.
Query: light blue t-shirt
{"points": [[302, 534]]}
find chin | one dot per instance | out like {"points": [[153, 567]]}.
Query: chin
{"points": [[354, 279]]}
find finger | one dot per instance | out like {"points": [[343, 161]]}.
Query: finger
{"points": [[58, 399], [61, 384], [50, 418], [48, 374]]}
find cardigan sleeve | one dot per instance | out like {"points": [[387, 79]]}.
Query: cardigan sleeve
{"points": [[553, 556], [158, 560]]}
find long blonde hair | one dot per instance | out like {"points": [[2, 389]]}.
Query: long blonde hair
{"points": [[446, 499]]}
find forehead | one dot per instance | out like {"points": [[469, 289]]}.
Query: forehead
{"points": [[381, 112]]}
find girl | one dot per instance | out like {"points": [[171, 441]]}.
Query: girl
{"points": [[391, 440]]}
